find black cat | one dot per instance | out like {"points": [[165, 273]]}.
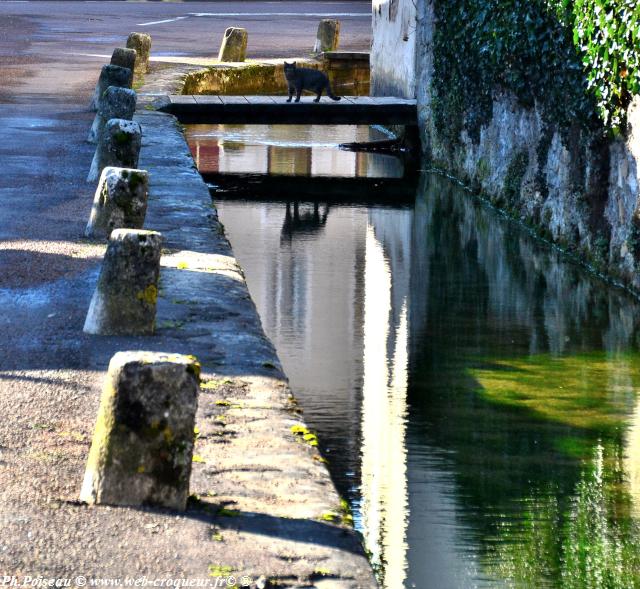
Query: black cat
{"points": [[302, 78]]}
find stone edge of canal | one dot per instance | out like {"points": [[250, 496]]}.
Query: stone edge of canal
{"points": [[273, 457]]}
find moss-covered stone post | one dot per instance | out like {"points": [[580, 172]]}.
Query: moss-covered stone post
{"points": [[115, 103], [328, 36], [124, 301], [142, 445], [118, 146], [141, 42], [120, 201], [234, 45], [111, 75], [124, 57]]}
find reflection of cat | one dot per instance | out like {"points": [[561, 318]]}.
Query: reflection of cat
{"points": [[303, 222], [302, 78]]}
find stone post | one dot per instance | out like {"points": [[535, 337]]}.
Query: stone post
{"points": [[328, 36], [118, 146], [142, 446], [115, 103], [124, 301], [124, 57], [111, 75], [120, 201], [141, 42], [234, 45]]}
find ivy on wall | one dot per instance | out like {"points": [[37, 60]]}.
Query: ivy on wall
{"points": [[607, 33], [578, 59]]}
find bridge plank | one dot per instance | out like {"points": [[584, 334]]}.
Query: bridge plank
{"points": [[182, 99], [208, 99], [280, 99], [363, 100], [234, 100], [260, 99], [391, 100]]}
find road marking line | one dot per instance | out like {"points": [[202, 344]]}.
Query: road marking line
{"points": [[256, 14], [161, 22]]}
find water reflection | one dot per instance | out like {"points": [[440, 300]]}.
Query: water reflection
{"points": [[476, 394], [383, 510], [522, 367], [302, 150], [307, 222]]}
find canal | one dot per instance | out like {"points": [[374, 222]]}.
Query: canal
{"points": [[476, 394]]}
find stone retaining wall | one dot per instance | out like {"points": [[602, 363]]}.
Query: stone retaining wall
{"points": [[347, 76]]}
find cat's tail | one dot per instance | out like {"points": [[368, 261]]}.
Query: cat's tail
{"points": [[330, 94]]}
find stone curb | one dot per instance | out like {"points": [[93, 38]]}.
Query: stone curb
{"points": [[250, 453]]}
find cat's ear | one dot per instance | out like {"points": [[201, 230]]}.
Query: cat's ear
{"points": [[286, 63], [294, 63]]}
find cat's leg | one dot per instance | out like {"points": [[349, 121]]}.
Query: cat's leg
{"points": [[290, 92], [298, 92], [319, 90]]}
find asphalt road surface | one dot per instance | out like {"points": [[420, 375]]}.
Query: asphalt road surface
{"points": [[77, 34]]}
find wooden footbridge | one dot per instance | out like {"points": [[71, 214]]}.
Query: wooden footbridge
{"points": [[351, 110]]}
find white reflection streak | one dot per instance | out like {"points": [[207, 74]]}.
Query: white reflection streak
{"points": [[384, 481], [632, 460]]}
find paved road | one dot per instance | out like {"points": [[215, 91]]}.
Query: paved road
{"points": [[77, 34]]}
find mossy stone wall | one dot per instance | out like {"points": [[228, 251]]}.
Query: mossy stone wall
{"points": [[347, 77]]}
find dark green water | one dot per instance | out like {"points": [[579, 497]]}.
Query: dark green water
{"points": [[475, 393]]}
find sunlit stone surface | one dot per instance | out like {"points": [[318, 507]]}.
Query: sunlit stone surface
{"points": [[124, 301], [120, 201], [143, 442]]}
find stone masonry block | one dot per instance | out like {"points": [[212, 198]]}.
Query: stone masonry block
{"points": [[141, 42], [110, 75], [115, 103], [124, 301], [328, 36], [120, 201], [118, 146], [234, 45], [142, 446], [124, 57]]}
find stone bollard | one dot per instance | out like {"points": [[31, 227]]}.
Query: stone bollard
{"points": [[124, 301], [328, 36], [234, 45], [111, 75], [142, 446], [115, 103], [124, 57], [120, 201], [141, 42], [118, 146]]}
